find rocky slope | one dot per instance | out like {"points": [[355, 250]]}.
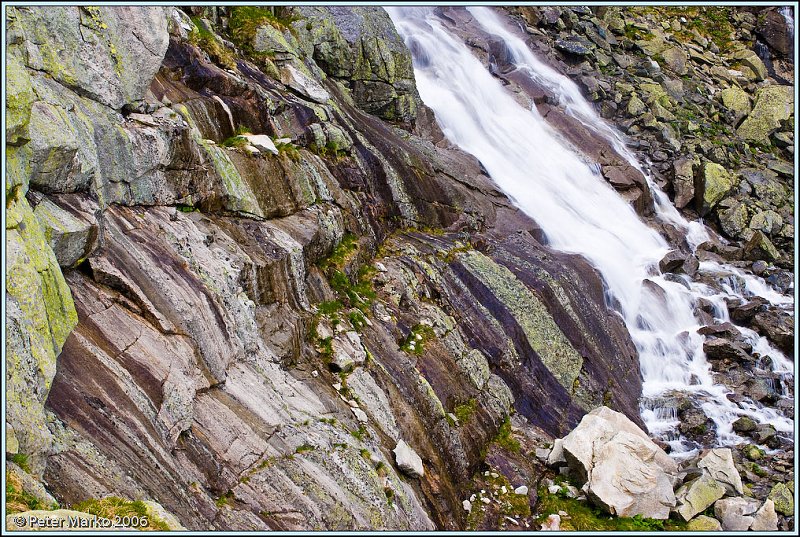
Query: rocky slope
{"points": [[244, 265]]}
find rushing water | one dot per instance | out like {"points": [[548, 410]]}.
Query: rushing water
{"points": [[579, 212], [788, 15]]}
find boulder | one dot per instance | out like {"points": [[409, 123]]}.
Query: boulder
{"points": [[783, 499], [718, 463], [750, 59], [294, 77], [717, 182], [735, 514], [704, 523], [109, 54], [683, 181], [760, 247], [262, 142], [624, 471], [765, 519], [575, 45], [348, 352], [407, 460], [773, 105], [71, 235], [737, 101], [697, 495]]}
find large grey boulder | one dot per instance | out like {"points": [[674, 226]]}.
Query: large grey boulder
{"points": [[407, 460], [109, 54], [735, 514], [697, 495], [623, 471], [765, 519], [71, 231], [348, 352], [719, 465]]}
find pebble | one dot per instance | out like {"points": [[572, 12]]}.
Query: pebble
{"points": [[522, 490], [486, 500], [467, 506], [315, 373], [553, 489]]}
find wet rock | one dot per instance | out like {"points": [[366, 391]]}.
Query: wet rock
{"points": [[777, 326], [696, 496], [672, 262], [735, 514], [744, 313], [624, 471], [719, 465], [773, 29], [723, 349], [760, 247], [744, 425], [407, 460]]}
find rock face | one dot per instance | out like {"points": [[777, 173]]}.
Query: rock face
{"points": [[621, 469], [208, 296]]}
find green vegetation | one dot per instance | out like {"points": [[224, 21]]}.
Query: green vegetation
{"points": [[225, 499], [201, 37], [17, 500], [288, 149], [389, 494], [415, 342], [21, 460], [504, 438], [246, 20], [465, 410], [304, 448], [112, 507], [585, 517], [360, 433], [331, 150], [235, 141], [341, 253]]}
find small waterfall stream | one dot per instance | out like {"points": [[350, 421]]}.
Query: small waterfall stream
{"points": [[580, 213]]}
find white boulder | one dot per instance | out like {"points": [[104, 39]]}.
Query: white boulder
{"points": [[407, 460]]}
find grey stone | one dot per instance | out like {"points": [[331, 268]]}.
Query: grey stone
{"points": [[735, 514], [719, 465], [407, 460]]}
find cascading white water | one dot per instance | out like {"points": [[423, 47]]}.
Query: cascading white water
{"points": [[788, 14], [578, 211]]}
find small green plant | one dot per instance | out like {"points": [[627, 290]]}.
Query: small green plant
{"points": [[357, 320], [365, 453], [225, 499], [113, 507], [288, 149], [21, 460], [17, 499], [201, 37], [465, 410], [305, 448], [235, 141], [505, 439], [415, 342], [360, 433], [389, 494]]}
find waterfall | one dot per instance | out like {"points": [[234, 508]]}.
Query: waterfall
{"points": [[788, 15], [577, 210]]}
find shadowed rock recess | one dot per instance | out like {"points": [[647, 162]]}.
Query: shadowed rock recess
{"points": [[252, 286]]}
